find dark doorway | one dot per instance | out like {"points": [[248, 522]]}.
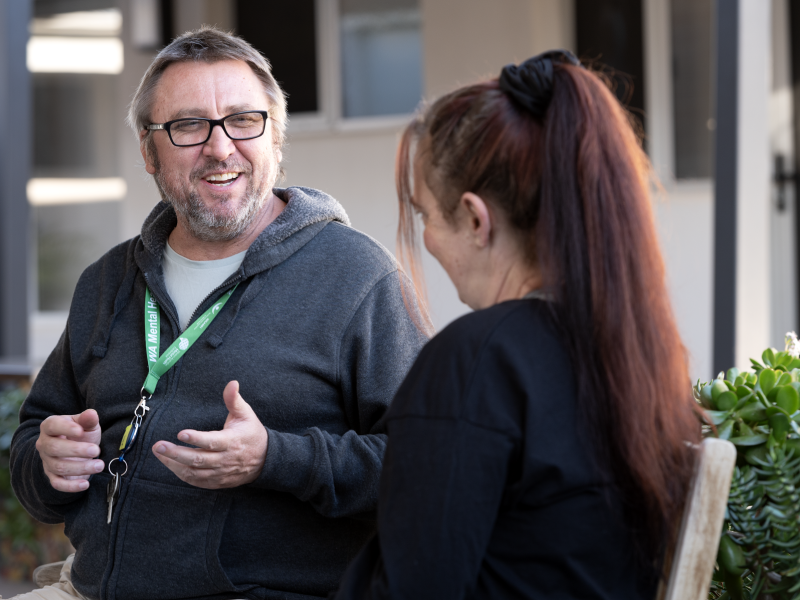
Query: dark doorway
{"points": [[285, 32], [794, 35], [610, 32]]}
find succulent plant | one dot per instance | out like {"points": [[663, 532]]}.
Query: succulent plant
{"points": [[757, 410]]}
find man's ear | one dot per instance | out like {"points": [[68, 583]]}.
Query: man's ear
{"points": [[479, 224], [149, 165]]}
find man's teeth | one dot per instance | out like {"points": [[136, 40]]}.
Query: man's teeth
{"points": [[222, 178]]}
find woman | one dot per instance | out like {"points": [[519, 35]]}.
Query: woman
{"points": [[538, 447]]}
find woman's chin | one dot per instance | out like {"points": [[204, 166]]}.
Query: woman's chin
{"points": [[471, 301]]}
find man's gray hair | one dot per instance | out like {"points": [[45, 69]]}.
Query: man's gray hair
{"points": [[207, 44]]}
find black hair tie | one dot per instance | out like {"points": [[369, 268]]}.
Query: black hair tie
{"points": [[531, 83]]}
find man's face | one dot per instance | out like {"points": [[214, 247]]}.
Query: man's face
{"points": [[218, 187]]}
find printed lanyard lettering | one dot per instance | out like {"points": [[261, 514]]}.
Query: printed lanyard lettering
{"points": [[157, 366]]}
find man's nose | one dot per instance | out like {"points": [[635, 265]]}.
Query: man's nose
{"points": [[219, 146]]}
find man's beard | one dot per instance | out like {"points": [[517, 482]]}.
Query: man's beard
{"points": [[203, 223]]}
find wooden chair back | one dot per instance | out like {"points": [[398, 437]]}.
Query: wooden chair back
{"points": [[701, 526]]}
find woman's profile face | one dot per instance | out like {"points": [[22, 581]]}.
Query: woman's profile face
{"points": [[449, 244]]}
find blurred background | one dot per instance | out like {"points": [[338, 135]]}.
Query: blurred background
{"points": [[709, 82], [73, 183]]}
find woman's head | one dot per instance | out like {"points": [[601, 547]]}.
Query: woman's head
{"points": [[549, 148], [472, 141]]}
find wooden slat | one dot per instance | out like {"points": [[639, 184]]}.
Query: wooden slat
{"points": [[701, 527]]}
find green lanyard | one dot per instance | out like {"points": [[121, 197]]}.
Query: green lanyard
{"points": [[161, 364], [158, 365]]}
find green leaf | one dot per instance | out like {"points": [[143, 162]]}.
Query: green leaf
{"points": [[752, 412], [719, 416], [734, 586], [730, 556], [779, 422], [726, 400], [768, 356], [773, 394], [788, 399], [751, 399], [766, 380], [705, 396], [793, 446], [757, 455], [725, 430], [717, 387], [748, 440], [732, 374]]}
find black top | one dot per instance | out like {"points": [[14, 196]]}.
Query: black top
{"points": [[488, 489]]}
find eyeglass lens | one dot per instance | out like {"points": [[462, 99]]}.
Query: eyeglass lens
{"points": [[185, 132]]}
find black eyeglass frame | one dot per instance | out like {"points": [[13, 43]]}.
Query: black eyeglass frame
{"points": [[212, 122]]}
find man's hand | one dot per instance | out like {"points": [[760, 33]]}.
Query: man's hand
{"points": [[222, 459], [67, 444]]}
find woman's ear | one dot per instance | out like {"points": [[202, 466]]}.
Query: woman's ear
{"points": [[479, 225]]}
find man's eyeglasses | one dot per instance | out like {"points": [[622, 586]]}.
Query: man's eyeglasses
{"points": [[195, 130]]}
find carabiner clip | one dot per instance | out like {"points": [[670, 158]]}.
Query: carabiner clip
{"points": [[143, 406]]}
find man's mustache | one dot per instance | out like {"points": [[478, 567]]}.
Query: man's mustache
{"points": [[208, 168]]}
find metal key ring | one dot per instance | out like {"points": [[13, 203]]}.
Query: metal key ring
{"points": [[117, 474]]}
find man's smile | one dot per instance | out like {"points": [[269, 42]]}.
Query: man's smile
{"points": [[221, 179]]}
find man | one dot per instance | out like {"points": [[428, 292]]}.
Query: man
{"points": [[247, 464]]}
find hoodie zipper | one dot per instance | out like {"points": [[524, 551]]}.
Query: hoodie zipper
{"points": [[224, 284], [104, 592]]}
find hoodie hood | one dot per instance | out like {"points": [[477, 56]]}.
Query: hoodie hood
{"points": [[307, 212]]}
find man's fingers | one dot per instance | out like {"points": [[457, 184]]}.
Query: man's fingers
{"points": [[236, 405], [214, 441], [61, 425], [59, 447], [65, 467], [88, 419], [202, 478], [210, 479], [190, 457], [69, 485], [73, 427]]}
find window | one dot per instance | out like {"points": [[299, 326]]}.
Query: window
{"points": [[73, 58], [381, 54], [692, 76], [339, 58]]}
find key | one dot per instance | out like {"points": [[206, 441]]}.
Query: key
{"points": [[112, 493]]}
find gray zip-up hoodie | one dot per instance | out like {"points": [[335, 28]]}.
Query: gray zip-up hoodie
{"points": [[319, 338]]}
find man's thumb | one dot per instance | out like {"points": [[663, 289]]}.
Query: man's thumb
{"points": [[88, 419], [236, 405]]}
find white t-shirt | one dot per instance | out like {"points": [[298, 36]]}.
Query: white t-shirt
{"points": [[189, 282]]}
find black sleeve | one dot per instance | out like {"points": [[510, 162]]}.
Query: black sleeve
{"points": [[441, 488], [54, 392]]}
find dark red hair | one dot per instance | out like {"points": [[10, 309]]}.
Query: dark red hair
{"points": [[575, 184]]}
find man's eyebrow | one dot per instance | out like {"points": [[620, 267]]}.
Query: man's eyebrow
{"points": [[199, 112]]}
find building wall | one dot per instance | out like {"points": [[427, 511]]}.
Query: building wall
{"points": [[464, 40]]}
